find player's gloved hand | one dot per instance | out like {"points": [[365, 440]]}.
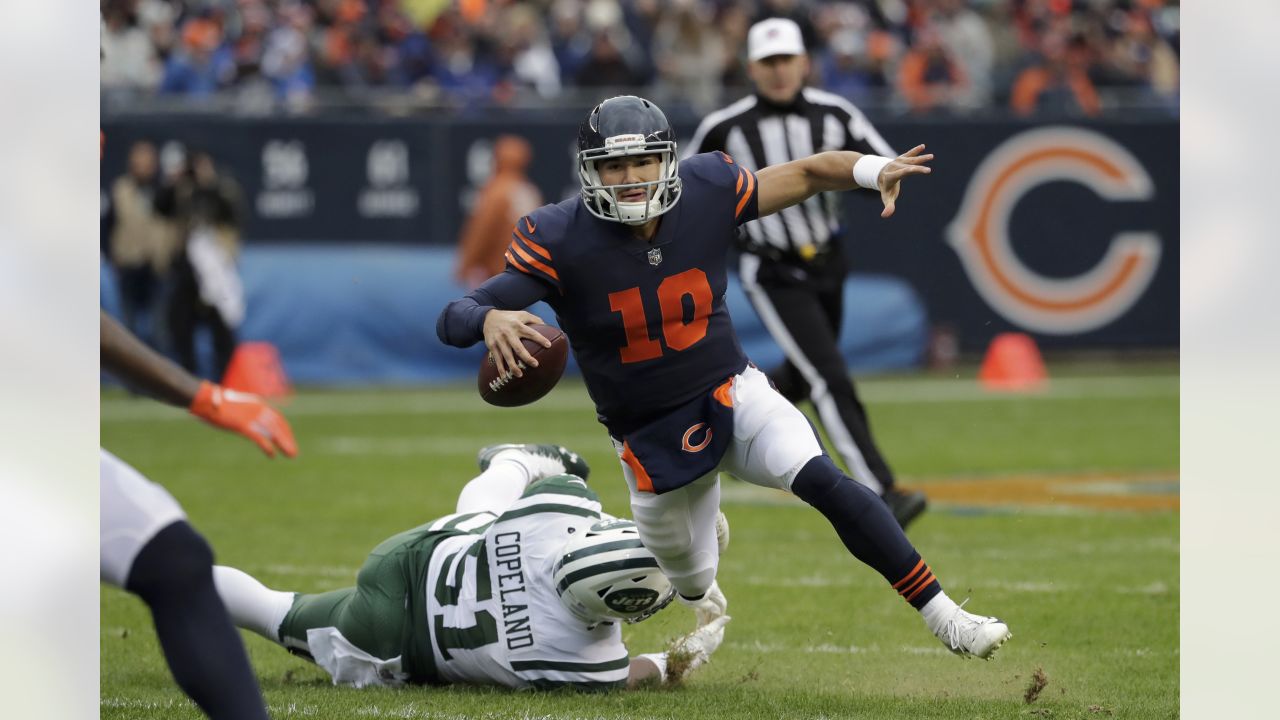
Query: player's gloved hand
{"points": [[695, 648], [722, 532], [245, 414], [709, 607]]}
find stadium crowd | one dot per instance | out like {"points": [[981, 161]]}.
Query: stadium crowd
{"points": [[922, 56]]}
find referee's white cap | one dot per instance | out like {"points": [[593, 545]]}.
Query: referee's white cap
{"points": [[775, 36]]}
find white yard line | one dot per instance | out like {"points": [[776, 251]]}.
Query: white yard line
{"points": [[453, 401]]}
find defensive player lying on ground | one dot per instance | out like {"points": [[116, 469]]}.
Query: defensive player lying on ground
{"points": [[525, 586], [635, 270]]}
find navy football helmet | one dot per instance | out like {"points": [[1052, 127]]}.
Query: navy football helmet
{"points": [[620, 126]]}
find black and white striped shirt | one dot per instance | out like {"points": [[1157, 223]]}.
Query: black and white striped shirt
{"points": [[758, 134]]}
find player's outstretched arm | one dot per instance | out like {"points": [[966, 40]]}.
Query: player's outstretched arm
{"points": [[686, 655], [145, 370], [782, 186]]}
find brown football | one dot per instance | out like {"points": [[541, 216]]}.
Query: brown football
{"points": [[511, 391]]}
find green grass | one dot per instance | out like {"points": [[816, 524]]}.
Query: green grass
{"points": [[1092, 597]]}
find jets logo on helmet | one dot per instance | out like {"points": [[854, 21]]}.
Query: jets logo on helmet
{"points": [[618, 127], [606, 573]]}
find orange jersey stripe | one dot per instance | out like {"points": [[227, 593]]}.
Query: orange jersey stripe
{"points": [[643, 483], [531, 260], [738, 188], [751, 187], [907, 578], [534, 246]]}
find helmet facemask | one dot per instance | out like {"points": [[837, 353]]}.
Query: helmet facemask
{"points": [[602, 200]]}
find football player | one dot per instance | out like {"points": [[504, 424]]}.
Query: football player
{"points": [[525, 586], [635, 271], [147, 546]]}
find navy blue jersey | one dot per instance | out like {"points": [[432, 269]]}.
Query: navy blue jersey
{"points": [[647, 321]]}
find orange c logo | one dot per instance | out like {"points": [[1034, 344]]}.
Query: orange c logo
{"points": [[706, 440], [980, 232]]}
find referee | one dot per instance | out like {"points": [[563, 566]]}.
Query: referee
{"points": [[792, 267]]}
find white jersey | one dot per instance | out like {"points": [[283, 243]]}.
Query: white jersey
{"points": [[494, 614]]}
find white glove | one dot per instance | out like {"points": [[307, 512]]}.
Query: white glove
{"points": [[712, 605], [722, 532], [691, 651]]}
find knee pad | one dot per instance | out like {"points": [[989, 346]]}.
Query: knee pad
{"points": [[176, 559]]}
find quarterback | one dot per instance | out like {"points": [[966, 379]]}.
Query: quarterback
{"points": [[525, 586], [635, 271]]}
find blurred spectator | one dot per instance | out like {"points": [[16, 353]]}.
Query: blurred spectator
{"points": [[930, 77], [1059, 82], [532, 61], [605, 66], [203, 65], [285, 60], [128, 55], [141, 243], [206, 289], [1139, 57], [265, 54], [688, 53], [852, 67], [967, 40], [508, 196]]}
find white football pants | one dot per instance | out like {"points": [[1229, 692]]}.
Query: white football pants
{"points": [[132, 509], [772, 441]]}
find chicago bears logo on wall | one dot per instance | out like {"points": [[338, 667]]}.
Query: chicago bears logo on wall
{"points": [[980, 232]]}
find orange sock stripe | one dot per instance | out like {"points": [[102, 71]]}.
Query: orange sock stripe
{"points": [[924, 583], [907, 578]]}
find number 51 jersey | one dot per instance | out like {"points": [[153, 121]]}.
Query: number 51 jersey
{"points": [[492, 607], [646, 320]]}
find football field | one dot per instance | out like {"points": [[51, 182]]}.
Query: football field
{"points": [[1056, 511]]}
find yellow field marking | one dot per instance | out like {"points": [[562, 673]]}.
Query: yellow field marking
{"points": [[1098, 491]]}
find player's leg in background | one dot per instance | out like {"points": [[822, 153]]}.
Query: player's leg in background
{"points": [[149, 549], [508, 469], [679, 528], [774, 446], [180, 313]]}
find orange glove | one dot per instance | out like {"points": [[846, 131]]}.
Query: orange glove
{"points": [[245, 414]]}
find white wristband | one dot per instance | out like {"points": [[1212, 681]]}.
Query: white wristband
{"points": [[659, 659], [866, 172]]}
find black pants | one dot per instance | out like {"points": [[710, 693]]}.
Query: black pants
{"points": [[801, 305], [186, 313]]}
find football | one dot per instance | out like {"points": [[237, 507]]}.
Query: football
{"points": [[510, 391]]}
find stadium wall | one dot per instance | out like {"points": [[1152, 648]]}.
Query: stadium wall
{"points": [[358, 313], [1068, 232]]}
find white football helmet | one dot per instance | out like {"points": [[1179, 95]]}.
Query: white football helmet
{"points": [[606, 573], [621, 126]]}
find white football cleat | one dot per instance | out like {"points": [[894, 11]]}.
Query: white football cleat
{"points": [[970, 635]]}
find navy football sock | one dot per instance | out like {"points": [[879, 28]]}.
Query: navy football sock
{"points": [[173, 574], [867, 528]]}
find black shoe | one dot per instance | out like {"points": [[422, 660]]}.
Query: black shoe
{"points": [[905, 506]]}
